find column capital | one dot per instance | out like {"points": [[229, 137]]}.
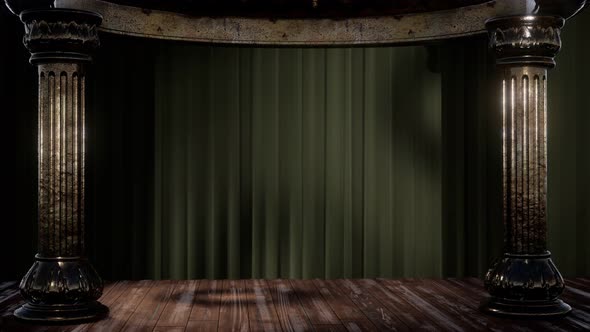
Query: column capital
{"points": [[60, 35], [525, 40]]}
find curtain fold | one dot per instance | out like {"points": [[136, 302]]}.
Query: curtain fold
{"points": [[568, 181], [214, 162], [296, 162]]}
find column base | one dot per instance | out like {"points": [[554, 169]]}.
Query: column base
{"points": [[524, 309], [525, 285], [61, 289], [61, 313]]}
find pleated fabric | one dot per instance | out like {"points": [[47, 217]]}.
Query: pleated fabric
{"points": [[236, 162], [296, 163]]}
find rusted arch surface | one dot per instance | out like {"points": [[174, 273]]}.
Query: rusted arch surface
{"points": [[406, 28]]}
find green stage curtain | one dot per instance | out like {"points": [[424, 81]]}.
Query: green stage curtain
{"points": [[216, 162], [262, 162], [569, 151], [237, 162]]}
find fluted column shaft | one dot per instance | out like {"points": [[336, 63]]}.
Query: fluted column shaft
{"points": [[524, 150], [61, 159], [525, 281]]}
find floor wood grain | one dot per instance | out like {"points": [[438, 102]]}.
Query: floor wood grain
{"points": [[233, 312], [302, 305], [262, 312], [206, 301]]}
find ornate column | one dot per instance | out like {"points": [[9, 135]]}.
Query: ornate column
{"points": [[525, 282], [61, 285]]}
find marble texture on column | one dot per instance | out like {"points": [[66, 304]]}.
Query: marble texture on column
{"points": [[61, 160], [524, 115]]}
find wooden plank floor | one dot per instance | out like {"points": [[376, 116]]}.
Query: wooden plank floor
{"points": [[303, 305]]}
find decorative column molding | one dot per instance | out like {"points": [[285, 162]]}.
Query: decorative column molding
{"points": [[525, 282], [61, 285]]}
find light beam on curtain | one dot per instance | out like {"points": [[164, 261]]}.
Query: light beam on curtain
{"points": [[297, 163]]}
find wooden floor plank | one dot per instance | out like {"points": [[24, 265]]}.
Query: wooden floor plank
{"points": [[576, 301], [315, 306], [436, 305], [168, 329], [577, 290], [147, 313], [329, 328], [178, 309], [291, 315], [581, 309], [583, 280], [202, 326], [233, 311], [461, 302], [375, 311], [8, 295], [262, 313], [577, 294], [478, 282], [294, 305], [340, 303], [352, 318], [359, 325], [475, 291], [401, 305], [578, 282], [8, 284], [120, 311], [8, 322], [7, 288], [453, 295], [112, 292], [206, 302]]}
